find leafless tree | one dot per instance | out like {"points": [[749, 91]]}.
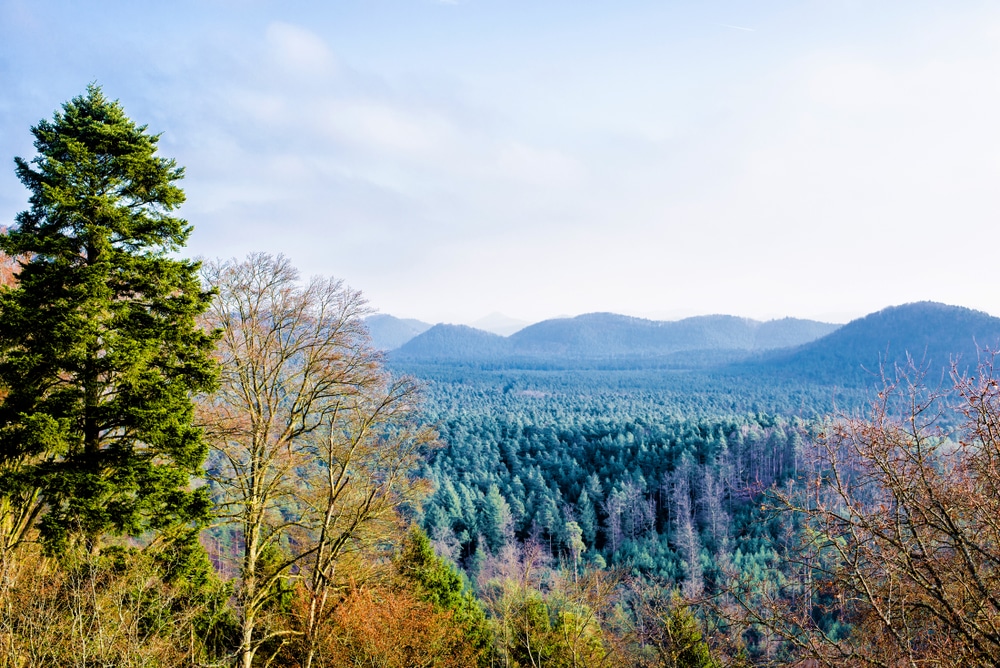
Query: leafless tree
{"points": [[365, 459], [899, 532], [311, 439], [80, 611], [614, 506]]}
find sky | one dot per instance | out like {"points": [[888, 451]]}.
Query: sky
{"points": [[818, 159]]}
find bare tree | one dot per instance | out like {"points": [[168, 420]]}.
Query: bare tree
{"points": [[88, 611], [614, 506], [294, 355], [900, 532], [685, 533], [712, 508], [365, 459]]}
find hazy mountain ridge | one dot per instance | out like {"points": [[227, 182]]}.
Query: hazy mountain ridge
{"points": [[788, 332], [789, 349], [609, 335], [933, 334], [501, 324], [389, 332]]}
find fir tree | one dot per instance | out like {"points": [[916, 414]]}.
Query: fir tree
{"points": [[494, 520], [101, 351], [437, 582]]}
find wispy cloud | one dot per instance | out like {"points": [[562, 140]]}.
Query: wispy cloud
{"points": [[462, 167], [298, 50]]}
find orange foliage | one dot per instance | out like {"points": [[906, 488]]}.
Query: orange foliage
{"points": [[384, 628], [8, 269], [9, 266]]}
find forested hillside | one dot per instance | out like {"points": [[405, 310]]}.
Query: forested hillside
{"points": [[931, 335], [592, 445], [666, 473]]}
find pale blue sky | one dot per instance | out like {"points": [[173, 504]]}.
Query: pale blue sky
{"points": [[817, 159]]}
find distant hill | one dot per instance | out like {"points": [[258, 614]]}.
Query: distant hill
{"points": [[603, 336], [931, 333], [389, 332], [598, 335], [789, 332], [448, 343], [501, 324]]}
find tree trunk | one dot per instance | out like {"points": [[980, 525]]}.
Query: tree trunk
{"points": [[246, 641]]}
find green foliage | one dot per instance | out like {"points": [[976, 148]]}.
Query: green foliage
{"points": [[493, 519], [534, 643], [680, 644], [544, 630], [578, 640], [101, 349], [437, 582], [281, 592]]}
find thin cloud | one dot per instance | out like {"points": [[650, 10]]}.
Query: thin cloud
{"points": [[447, 181], [296, 49]]}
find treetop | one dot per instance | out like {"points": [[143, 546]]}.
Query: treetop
{"points": [[96, 169]]}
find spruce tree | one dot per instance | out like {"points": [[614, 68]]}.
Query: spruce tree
{"points": [[101, 351], [438, 582]]}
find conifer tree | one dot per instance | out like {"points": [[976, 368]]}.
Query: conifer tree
{"points": [[100, 351], [494, 520], [437, 582]]}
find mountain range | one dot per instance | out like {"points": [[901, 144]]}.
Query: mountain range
{"points": [[604, 336], [930, 334]]}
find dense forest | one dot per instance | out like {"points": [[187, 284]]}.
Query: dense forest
{"points": [[211, 464], [631, 474]]}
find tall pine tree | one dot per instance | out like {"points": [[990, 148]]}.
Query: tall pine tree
{"points": [[101, 351]]}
